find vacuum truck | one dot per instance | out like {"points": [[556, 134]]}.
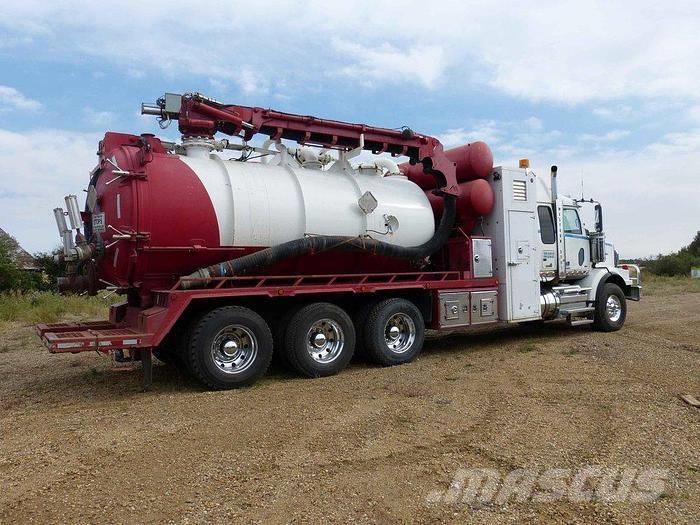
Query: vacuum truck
{"points": [[315, 244]]}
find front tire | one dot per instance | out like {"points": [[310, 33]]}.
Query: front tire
{"points": [[320, 340], [229, 347], [394, 332], [610, 309]]}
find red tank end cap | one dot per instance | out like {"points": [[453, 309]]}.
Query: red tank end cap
{"points": [[475, 200], [479, 196], [474, 161]]}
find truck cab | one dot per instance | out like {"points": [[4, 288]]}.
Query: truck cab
{"points": [[551, 256]]}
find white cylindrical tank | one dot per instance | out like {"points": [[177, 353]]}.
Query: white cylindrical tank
{"points": [[260, 204]]}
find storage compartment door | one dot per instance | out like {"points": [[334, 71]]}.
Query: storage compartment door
{"points": [[523, 268]]}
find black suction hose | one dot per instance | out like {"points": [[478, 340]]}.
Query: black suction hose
{"points": [[320, 243]]}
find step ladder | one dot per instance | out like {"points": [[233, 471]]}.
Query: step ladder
{"points": [[571, 297], [579, 316]]}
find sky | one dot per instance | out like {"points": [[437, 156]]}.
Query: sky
{"points": [[608, 91]]}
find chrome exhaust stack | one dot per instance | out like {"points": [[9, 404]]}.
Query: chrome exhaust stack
{"points": [[554, 184]]}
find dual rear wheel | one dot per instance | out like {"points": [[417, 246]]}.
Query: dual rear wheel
{"points": [[393, 332], [232, 346]]}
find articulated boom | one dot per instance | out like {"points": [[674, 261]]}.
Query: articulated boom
{"points": [[198, 115]]}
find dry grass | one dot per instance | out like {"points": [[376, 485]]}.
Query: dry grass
{"points": [[47, 307], [662, 285]]}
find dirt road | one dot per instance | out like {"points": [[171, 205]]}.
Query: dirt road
{"points": [[78, 443]]}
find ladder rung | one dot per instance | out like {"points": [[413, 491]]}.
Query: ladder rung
{"points": [[578, 322], [578, 311]]}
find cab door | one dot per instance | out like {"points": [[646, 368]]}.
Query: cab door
{"points": [[577, 246], [548, 242]]}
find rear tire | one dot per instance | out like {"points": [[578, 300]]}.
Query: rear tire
{"points": [[279, 334], [360, 320], [169, 351], [394, 332], [229, 347], [610, 309], [320, 340]]}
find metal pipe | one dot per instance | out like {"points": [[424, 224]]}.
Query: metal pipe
{"points": [[151, 109], [60, 221], [76, 221], [554, 184], [68, 244]]}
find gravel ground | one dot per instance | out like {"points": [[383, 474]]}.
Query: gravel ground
{"points": [[80, 444]]}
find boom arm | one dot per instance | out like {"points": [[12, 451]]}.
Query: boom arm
{"points": [[198, 115]]}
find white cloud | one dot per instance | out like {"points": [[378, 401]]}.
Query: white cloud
{"points": [[250, 81], [37, 169], [648, 208], [568, 52], [679, 143], [519, 137], [99, 118], [488, 131], [694, 113], [535, 124], [217, 85], [135, 72], [619, 112], [610, 136], [389, 64], [11, 99]]}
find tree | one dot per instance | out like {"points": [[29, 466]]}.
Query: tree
{"points": [[51, 270], [677, 263], [694, 246], [12, 277]]}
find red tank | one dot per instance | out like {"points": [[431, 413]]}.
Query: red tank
{"points": [[475, 200], [163, 225], [473, 161], [160, 223]]}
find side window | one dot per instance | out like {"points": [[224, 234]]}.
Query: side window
{"points": [[546, 224], [572, 223]]}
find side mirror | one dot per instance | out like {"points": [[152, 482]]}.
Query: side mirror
{"points": [[598, 218]]}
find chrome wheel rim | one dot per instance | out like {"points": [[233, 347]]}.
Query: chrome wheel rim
{"points": [[234, 349], [325, 341], [613, 308], [399, 333]]}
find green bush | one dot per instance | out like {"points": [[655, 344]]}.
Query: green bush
{"points": [[677, 263], [12, 277], [50, 270]]}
